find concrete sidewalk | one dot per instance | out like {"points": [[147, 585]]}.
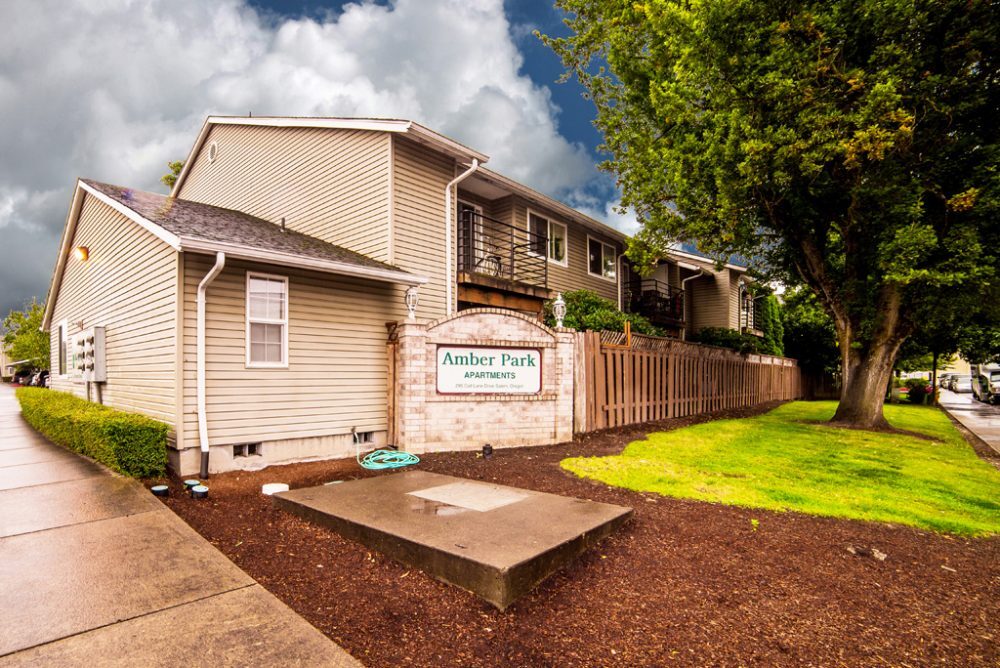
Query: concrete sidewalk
{"points": [[981, 419], [95, 571]]}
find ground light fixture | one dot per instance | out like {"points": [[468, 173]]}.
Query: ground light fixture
{"points": [[559, 309], [82, 253]]}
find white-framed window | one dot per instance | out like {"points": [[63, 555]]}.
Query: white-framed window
{"points": [[601, 259], [267, 320], [557, 236]]}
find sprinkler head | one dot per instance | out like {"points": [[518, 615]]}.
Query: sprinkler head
{"points": [[487, 451]]}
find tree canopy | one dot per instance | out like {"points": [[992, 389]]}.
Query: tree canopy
{"points": [[23, 336], [170, 178], [849, 145]]}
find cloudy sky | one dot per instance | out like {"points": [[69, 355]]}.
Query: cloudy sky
{"points": [[113, 89]]}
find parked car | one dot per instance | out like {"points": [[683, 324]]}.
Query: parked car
{"points": [[944, 379], [987, 386], [961, 384]]}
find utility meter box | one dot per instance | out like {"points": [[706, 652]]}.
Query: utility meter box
{"points": [[88, 355]]}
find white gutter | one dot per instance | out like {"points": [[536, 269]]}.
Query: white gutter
{"points": [[448, 210], [220, 262], [687, 301]]}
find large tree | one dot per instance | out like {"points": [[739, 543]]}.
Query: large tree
{"points": [[850, 145], [23, 336]]}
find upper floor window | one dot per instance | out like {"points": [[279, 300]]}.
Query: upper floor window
{"points": [[62, 349], [542, 228], [602, 258], [267, 320]]}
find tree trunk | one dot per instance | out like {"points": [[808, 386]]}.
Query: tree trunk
{"points": [[863, 392], [934, 383]]}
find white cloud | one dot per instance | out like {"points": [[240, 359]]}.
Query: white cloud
{"points": [[113, 89]]}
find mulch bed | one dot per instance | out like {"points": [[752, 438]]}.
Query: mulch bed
{"points": [[683, 584]]}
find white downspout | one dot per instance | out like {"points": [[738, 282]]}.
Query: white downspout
{"points": [[220, 262], [687, 302], [448, 211]]}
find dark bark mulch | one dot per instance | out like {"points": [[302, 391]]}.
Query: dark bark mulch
{"points": [[683, 584]]}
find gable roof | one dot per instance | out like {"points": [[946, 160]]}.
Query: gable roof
{"points": [[202, 228]]}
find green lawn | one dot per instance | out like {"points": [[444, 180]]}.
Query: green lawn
{"points": [[783, 460]]}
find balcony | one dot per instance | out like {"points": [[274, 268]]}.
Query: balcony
{"points": [[662, 304], [494, 256]]}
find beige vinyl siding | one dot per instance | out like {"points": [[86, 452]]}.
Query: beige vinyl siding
{"points": [[575, 275], [419, 179], [336, 375], [734, 299], [128, 286], [328, 183], [709, 298]]}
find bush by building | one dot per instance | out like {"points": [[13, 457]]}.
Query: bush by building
{"points": [[134, 445], [724, 337], [586, 310]]}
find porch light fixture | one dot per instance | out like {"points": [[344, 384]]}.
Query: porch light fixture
{"points": [[411, 302], [82, 253], [559, 309]]}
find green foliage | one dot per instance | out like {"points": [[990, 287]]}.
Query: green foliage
{"points": [[789, 460], [24, 338], [771, 326], [809, 335], [850, 145], [170, 178], [979, 343], [586, 310], [131, 444], [917, 390], [723, 337]]}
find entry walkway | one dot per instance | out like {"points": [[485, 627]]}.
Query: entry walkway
{"points": [[981, 419], [95, 571]]}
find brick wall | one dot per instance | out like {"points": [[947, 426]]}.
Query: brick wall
{"points": [[426, 421]]}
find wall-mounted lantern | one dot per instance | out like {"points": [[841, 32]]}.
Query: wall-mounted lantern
{"points": [[411, 302], [82, 253], [559, 309]]}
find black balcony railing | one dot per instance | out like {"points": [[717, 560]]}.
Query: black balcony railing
{"points": [[663, 304], [501, 251]]}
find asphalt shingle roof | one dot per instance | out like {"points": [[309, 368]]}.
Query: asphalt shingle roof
{"points": [[204, 222]]}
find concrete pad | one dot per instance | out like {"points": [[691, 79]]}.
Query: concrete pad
{"points": [[33, 455], [43, 473], [498, 554], [245, 627], [28, 509], [65, 581]]}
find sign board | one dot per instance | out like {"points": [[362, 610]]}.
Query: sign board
{"points": [[481, 370]]}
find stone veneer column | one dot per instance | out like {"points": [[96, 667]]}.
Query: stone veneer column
{"points": [[412, 377]]}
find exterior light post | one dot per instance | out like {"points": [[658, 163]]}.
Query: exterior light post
{"points": [[559, 309], [411, 302]]}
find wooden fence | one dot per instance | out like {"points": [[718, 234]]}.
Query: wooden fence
{"points": [[653, 378]]}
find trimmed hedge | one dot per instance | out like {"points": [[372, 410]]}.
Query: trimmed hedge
{"points": [[128, 443]]}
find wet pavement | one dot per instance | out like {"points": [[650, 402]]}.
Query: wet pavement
{"points": [[981, 419], [95, 571]]}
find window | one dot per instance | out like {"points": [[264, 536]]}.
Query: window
{"points": [[267, 320], [601, 259], [62, 349], [542, 228]]}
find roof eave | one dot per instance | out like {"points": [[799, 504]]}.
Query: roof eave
{"points": [[241, 252]]}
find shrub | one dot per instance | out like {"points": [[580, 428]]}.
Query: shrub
{"points": [[125, 442], [918, 390], [723, 337], [586, 310]]}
